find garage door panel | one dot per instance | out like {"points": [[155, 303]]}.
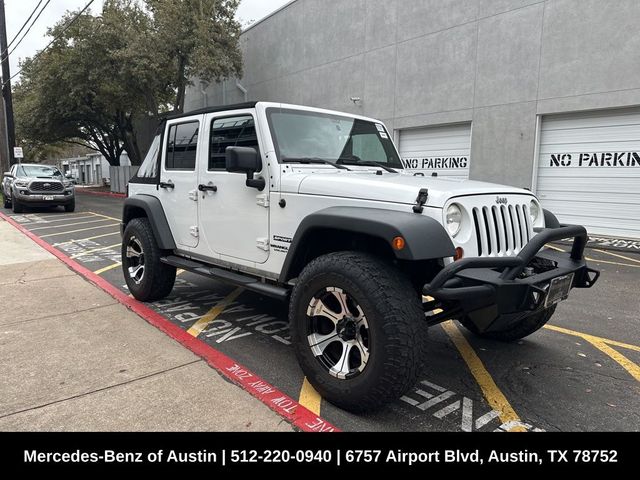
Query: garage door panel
{"points": [[601, 189], [571, 121], [444, 150]]}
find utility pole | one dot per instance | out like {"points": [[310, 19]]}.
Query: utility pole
{"points": [[6, 85]]}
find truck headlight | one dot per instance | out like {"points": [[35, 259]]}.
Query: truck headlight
{"points": [[534, 211], [454, 219], [21, 183]]}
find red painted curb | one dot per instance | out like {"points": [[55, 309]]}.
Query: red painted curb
{"points": [[273, 398], [100, 194]]}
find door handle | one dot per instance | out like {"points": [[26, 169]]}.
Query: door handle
{"points": [[207, 188], [167, 185]]}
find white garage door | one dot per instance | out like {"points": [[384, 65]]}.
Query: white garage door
{"points": [[589, 170], [443, 149]]}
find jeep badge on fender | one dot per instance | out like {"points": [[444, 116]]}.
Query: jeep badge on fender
{"points": [[367, 255]]}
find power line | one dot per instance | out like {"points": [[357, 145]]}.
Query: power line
{"points": [[28, 29], [24, 25], [71, 22]]}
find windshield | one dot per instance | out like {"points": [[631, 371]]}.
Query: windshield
{"points": [[308, 136], [38, 171]]}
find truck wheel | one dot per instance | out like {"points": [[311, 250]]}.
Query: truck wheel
{"points": [[7, 202], [147, 277], [358, 330], [17, 207], [523, 328], [71, 207]]}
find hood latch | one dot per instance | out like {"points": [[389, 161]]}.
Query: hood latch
{"points": [[423, 196]]}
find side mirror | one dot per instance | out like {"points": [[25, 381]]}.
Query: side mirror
{"points": [[245, 160], [8, 174]]}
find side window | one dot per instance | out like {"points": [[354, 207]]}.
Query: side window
{"points": [[182, 144], [226, 132], [369, 148]]}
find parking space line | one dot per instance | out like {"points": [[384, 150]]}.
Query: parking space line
{"points": [[617, 255], [624, 362], [106, 216], [588, 337], [65, 219], [67, 225], [95, 250], [600, 261], [106, 269], [60, 216], [198, 327], [309, 397], [86, 239], [76, 231], [490, 390]]}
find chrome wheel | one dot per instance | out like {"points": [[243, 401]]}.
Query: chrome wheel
{"points": [[338, 333], [135, 260]]}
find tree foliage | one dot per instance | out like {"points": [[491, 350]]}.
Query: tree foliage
{"points": [[132, 61]]}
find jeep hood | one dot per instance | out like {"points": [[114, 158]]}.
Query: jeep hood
{"points": [[390, 188]]}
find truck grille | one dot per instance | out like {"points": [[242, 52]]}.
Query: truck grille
{"points": [[46, 187], [502, 230]]}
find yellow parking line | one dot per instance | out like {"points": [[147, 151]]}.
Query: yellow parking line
{"points": [[617, 255], [106, 216], [67, 225], [624, 362], [76, 231], [106, 269], [592, 338], [198, 327], [95, 250], [490, 390], [309, 398], [85, 239]]}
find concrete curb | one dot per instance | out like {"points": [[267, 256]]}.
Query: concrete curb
{"points": [[100, 194], [269, 395]]}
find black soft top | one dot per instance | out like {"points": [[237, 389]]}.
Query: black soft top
{"points": [[218, 108]]}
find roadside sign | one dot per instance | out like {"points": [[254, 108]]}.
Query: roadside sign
{"points": [[17, 152]]}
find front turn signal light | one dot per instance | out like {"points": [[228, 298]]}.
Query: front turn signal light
{"points": [[399, 243], [459, 254]]}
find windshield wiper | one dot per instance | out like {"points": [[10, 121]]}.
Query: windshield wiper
{"points": [[313, 160], [369, 164]]}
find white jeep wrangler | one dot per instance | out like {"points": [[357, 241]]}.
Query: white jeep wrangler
{"points": [[314, 207]]}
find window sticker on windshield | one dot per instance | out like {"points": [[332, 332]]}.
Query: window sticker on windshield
{"points": [[383, 135], [380, 127]]}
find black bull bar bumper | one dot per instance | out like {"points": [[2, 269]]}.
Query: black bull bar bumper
{"points": [[498, 291]]}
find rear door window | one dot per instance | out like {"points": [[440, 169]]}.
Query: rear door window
{"points": [[182, 146]]}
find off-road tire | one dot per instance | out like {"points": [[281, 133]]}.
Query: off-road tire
{"points": [[159, 278], [520, 330], [398, 332], [6, 202], [17, 207], [71, 207]]}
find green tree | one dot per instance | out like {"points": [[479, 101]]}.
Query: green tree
{"points": [[133, 61], [82, 90], [199, 39]]}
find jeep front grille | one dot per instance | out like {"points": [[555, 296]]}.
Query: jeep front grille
{"points": [[502, 230], [46, 187]]}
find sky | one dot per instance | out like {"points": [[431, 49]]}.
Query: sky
{"points": [[17, 11]]}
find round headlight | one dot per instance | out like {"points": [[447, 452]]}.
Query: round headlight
{"points": [[454, 219], [534, 211]]}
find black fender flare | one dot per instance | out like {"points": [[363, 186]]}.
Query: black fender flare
{"points": [[550, 220], [425, 237], [155, 213]]}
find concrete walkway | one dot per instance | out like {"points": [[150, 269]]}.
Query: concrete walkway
{"points": [[74, 359]]}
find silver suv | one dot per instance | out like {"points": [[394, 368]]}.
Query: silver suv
{"points": [[34, 185]]}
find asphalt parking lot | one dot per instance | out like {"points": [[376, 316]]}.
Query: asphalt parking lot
{"points": [[581, 373]]}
